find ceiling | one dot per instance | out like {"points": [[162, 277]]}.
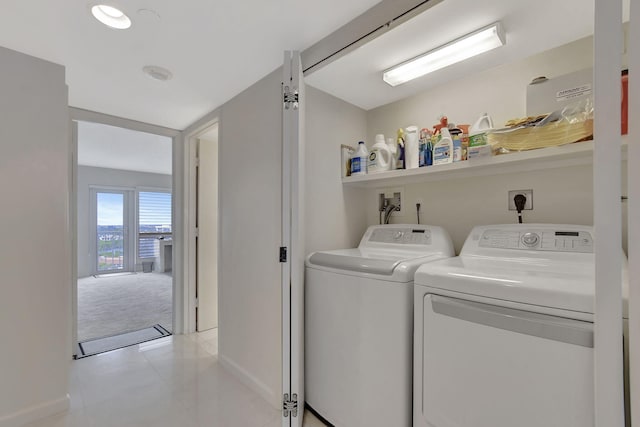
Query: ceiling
{"points": [[118, 148], [215, 49], [531, 27]]}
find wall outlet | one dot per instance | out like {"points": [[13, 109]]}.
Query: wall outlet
{"points": [[526, 193]]}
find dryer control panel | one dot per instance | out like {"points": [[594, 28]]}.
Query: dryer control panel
{"points": [[539, 240]]}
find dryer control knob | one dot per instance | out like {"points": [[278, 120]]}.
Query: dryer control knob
{"points": [[530, 239]]}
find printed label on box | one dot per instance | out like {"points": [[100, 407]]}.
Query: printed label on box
{"points": [[574, 92]]}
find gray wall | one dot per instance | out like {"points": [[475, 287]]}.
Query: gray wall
{"points": [[250, 227], [92, 176], [335, 215], [250, 218], [35, 295]]}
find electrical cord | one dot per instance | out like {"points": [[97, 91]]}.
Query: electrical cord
{"points": [[418, 212], [520, 200]]}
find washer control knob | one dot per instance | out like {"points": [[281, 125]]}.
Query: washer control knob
{"points": [[530, 239], [398, 235]]}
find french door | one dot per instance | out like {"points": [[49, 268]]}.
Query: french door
{"points": [[111, 230]]}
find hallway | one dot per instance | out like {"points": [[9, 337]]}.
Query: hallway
{"points": [[170, 382]]}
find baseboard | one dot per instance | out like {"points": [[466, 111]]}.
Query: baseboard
{"points": [[271, 396], [35, 412]]}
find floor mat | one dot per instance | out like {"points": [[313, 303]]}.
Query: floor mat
{"points": [[101, 345]]}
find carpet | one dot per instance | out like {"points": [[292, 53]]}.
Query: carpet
{"points": [[112, 304], [101, 345]]}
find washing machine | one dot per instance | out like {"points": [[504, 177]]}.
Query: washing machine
{"points": [[504, 332], [359, 325]]}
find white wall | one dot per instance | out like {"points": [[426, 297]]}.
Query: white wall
{"points": [[250, 207], [559, 195], [335, 215], [250, 233], [35, 295], [88, 176]]}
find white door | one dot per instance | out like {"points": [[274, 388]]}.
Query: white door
{"points": [[207, 237], [292, 251]]}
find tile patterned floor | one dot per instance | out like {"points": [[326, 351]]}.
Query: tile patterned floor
{"points": [[171, 382]]}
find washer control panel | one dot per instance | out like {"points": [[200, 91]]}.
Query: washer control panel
{"points": [[539, 240], [403, 236]]}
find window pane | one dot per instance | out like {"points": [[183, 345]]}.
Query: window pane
{"points": [[110, 238], [154, 218]]}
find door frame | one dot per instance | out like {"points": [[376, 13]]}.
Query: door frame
{"points": [[78, 114], [293, 239], [189, 278]]}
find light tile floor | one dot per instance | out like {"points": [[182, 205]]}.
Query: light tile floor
{"points": [[174, 382]]}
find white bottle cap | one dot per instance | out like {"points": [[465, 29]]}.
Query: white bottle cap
{"points": [[379, 138]]}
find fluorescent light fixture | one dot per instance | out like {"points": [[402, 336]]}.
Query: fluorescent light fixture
{"points": [[111, 16], [480, 41]]}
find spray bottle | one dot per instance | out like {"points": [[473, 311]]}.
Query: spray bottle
{"points": [[443, 150]]}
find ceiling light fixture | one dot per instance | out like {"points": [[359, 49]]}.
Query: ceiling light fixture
{"points": [[157, 73], [480, 41], [111, 16]]}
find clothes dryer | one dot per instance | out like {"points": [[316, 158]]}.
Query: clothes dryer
{"points": [[504, 332], [359, 325]]}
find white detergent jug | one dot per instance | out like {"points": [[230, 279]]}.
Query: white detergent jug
{"points": [[478, 131], [380, 157], [411, 148]]}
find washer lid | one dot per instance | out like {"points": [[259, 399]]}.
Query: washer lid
{"points": [[397, 266], [356, 260], [561, 285], [391, 252]]}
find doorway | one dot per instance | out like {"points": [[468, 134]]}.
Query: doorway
{"points": [[124, 236], [203, 244]]}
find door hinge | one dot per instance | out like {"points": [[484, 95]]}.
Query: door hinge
{"points": [[197, 303], [290, 98], [290, 406], [283, 254], [196, 232]]}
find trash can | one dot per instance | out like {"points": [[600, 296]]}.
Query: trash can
{"points": [[147, 266]]}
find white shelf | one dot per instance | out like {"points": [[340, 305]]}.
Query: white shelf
{"points": [[580, 153]]}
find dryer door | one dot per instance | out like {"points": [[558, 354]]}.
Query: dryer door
{"points": [[490, 366]]}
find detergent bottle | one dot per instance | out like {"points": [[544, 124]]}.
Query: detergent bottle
{"points": [[380, 157], [359, 160]]}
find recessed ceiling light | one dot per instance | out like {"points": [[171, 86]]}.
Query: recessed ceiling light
{"points": [[111, 16], [157, 73]]}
